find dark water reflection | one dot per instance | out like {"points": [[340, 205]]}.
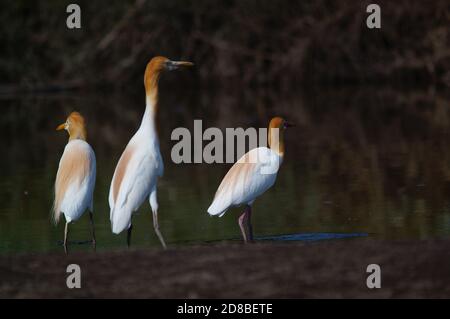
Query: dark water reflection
{"points": [[312, 236], [361, 160]]}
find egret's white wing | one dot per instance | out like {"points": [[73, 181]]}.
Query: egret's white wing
{"points": [[75, 181], [248, 178], [159, 162], [134, 178]]}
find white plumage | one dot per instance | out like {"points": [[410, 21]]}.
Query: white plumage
{"points": [[136, 175], [75, 179], [79, 195], [144, 166], [252, 175]]}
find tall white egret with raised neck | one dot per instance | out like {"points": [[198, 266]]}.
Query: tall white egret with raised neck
{"points": [[253, 174], [75, 180], [137, 172]]}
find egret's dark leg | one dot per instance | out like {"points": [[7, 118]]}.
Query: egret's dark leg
{"points": [[94, 242], [66, 233], [245, 224], [249, 224], [129, 236], [156, 227]]}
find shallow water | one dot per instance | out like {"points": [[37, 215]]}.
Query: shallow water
{"points": [[360, 161]]}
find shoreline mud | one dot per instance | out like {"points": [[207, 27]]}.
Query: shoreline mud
{"points": [[327, 269]]}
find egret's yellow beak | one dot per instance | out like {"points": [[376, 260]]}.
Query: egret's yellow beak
{"points": [[61, 127], [173, 65], [183, 63]]}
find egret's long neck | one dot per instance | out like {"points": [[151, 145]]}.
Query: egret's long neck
{"points": [[77, 133], [151, 103], [276, 140], [151, 80], [148, 124]]}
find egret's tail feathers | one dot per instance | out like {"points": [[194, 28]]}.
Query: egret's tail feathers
{"points": [[117, 228], [56, 213], [120, 220], [217, 210]]}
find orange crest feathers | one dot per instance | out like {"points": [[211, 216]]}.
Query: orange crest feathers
{"points": [[276, 134], [76, 127], [152, 72], [76, 118], [276, 122]]}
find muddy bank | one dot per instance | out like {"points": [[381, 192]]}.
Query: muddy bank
{"points": [[262, 270]]}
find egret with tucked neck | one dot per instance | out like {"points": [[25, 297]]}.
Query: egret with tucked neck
{"points": [[137, 172], [252, 175], [75, 180]]}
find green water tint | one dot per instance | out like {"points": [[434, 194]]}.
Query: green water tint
{"points": [[357, 163]]}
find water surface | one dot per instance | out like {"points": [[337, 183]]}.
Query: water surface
{"points": [[360, 161]]}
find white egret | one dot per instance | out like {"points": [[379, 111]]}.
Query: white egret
{"points": [[137, 172], [75, 180], [252, 175]]}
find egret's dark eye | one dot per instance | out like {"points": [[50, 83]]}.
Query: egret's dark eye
{"points": [[170, 65]]}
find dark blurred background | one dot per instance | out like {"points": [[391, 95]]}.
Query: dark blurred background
{"points": [[274, 44], [370, 152]]}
